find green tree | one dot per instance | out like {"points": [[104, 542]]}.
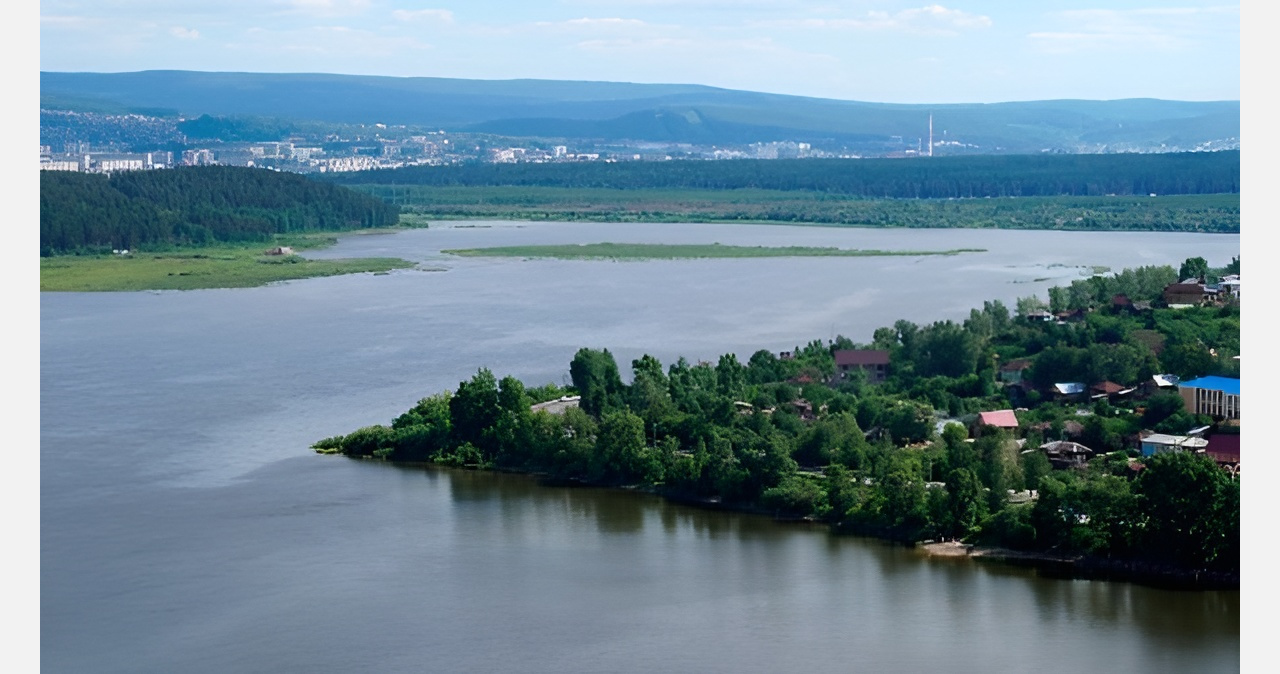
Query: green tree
{"points": [[1184, 498], [966, 502], [621, 454], [595, 375], [474, 410], [1193, 268]]}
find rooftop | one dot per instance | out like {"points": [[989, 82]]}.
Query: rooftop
{"points": [[999, 419], [861, 357], [1224, 384]]}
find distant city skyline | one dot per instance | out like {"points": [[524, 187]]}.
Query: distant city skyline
{"points": [[966, 51]]}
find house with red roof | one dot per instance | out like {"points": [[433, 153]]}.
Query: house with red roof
{"points": [[999, 419]]}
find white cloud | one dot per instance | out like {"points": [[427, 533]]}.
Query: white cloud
{"points": [[326, 7], [184, 33], [338, 42], [593, 24], [68, 21], [413, 15], [694, 4], [1160, 28], [929, 20]]}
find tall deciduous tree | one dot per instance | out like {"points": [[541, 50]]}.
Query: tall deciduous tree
{"points": [[595, 375]]}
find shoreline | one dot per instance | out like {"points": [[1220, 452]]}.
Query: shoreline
{"points": [[1083, 567], [211, 267], [1048, 565]]}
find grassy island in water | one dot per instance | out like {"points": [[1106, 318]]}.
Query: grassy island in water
{"points": [[658, 251]]}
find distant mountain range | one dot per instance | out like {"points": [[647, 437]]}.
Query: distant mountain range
{"points": [[655, 113]]}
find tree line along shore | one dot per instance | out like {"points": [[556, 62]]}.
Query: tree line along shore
{"points": [[798, 437]]}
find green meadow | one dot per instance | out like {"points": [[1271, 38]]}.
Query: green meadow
{"points": [[216, 266]]}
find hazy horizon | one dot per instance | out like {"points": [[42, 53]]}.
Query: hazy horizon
{"points": [[972, 51]]}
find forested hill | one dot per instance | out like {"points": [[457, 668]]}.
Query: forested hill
{"points": [[920, 178], [193, 206], [665, 113]]}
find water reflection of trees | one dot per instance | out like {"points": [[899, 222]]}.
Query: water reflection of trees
{"points": [[1182, 621]]}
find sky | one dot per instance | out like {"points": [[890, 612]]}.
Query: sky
{"points": [[964, 51]]}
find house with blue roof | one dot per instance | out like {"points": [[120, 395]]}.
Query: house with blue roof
{"points": [[1217, 397]]}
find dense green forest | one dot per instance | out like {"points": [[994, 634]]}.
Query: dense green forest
{"points": [[787, 436], [1047, 175], [193, 206], [1218, 213]]}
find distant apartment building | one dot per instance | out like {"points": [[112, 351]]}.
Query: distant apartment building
{"points": [[64, 165], [1214, 396], [356, 163], [119, 164], [201, 157], [306, 153]]}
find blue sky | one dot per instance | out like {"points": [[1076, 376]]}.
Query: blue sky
{"points": [[901, 52]]}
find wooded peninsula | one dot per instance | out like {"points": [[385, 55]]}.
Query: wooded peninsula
{"points": [[896, 439]]}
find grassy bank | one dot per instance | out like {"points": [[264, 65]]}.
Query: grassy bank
{"points": [[653, 251], [217, 266]]}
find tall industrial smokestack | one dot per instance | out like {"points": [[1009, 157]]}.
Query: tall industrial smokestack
{"points": [[930, 135]]}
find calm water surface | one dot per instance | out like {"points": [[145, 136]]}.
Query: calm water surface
{"points": [[186, 527]]}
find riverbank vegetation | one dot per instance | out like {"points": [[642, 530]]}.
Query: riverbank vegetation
{"points": [[655, 251], [226, 265], [192, 207], [902, 459], [1193, 192], [1214, 213]]}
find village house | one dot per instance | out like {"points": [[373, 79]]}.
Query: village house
{"points": [[1003, 419], [1159, 443], [1013, 371], [1185, 294], [1066, 391], [1224, 448], [874, 362], [1230, 285], [1040, 315], [1065, 454], [1109, 390]]}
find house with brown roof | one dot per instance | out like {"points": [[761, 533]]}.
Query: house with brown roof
{"points": [[1186, 294], [875, 362], [1109, 390], [1013, 371], [1071, 316]]}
